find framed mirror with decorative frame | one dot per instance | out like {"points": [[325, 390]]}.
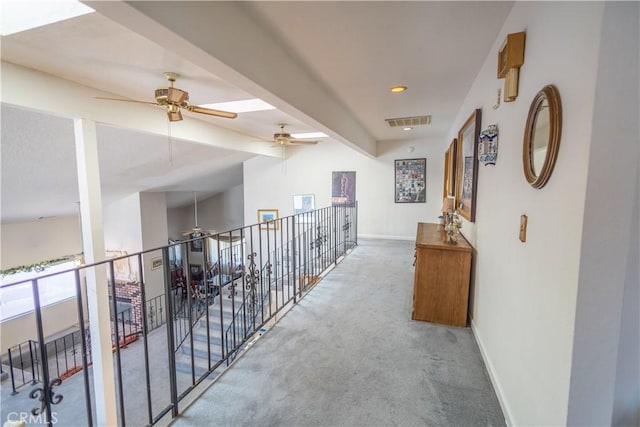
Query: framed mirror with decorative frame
{"points": [[466, 170], [542, 136]]}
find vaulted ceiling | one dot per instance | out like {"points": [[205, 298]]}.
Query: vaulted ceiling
{"points": [[325, 66]]}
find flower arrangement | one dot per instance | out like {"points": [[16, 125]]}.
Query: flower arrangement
{"points": [[452, 227]]}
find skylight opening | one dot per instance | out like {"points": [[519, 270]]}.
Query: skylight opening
{"points": [[18, 16], [244, 106], [309, 135]]}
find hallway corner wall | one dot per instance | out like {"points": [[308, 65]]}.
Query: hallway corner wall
{"points": [[598, 371], [523, 296], [271, 183]]}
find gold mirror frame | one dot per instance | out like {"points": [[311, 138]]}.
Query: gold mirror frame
{"points": [[449, 189], [467, 166], [551, 95]]}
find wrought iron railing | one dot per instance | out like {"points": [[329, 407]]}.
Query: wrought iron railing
{"points": [[251, 311], [232, 304], [22, 360]]}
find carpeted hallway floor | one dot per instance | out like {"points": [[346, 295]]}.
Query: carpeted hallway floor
{"points": [[349, 355]]}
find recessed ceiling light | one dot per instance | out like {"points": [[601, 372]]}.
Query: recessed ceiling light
{"points": [[309, 135], [407, 128], [244, 106], [21, 16], [398, 89]]}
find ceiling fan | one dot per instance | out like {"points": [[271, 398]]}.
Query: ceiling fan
{"points": [[282, 138], [196, 231], [174, 99]]}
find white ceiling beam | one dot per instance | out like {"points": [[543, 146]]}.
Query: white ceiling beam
{"points": [[43, 92], [223, 38]]}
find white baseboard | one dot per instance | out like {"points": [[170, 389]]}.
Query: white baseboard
{"points": [[506, 411]]}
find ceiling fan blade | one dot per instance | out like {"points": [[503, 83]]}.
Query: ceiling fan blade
{"points": [[126, 100], [210, 112], [226, 238]]}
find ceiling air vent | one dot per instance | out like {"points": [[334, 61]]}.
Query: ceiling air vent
{"points": [[408, 121]]}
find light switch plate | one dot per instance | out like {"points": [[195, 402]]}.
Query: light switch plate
{"points": [[523, 228]]}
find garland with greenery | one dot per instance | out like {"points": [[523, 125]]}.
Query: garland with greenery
{"points": [[39, 266]]}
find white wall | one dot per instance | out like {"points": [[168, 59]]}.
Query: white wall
{"points": [[178, 220], [626, 404], [25, 243], [271, 184], [610, 216], [524, 295], [123, 225], [222, 212], [153, 217], [55, 318]]}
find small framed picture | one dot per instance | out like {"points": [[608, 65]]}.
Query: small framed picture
{"points": [[303, 203], [196, 245], [156, 263], [303, 207], [268, 219]]}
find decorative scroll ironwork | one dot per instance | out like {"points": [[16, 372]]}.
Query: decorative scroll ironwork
{"points": [[347, 226], [39, 394], [321, 239], [251, 281]]}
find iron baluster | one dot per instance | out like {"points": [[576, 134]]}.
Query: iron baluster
{"points": [[46, 395], [84, 337]]}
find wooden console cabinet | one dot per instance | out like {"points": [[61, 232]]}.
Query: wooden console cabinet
{"points": [[443, 271]]}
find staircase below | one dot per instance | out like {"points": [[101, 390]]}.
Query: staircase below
{"points": [[207, 345]]}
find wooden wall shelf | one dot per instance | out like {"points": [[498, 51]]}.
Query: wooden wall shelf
{"points": [[510, 59]]}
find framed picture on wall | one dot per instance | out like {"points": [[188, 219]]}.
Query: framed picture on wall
{"points": [[411, 181], [343, 188], [267, 218], [303, 207], [467, 172], [303, 203]]}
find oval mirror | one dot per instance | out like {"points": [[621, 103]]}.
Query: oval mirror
{"points": [[542, 136]]}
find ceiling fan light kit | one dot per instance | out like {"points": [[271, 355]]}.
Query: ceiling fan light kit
{"points": [[174, 114]]}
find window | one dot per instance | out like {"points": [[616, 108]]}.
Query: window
{"points": [[18, 299]]}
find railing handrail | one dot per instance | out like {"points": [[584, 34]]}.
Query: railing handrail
{"points": [[281, 255]]}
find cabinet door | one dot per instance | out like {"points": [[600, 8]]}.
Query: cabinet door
{"points": [[441, 288]]}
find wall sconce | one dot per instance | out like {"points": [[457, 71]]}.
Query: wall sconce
{"points": [[510, 59]]}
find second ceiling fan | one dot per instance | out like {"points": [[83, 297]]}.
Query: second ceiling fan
{"points": [[196, 231], [174, 99], [283, 138]]}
